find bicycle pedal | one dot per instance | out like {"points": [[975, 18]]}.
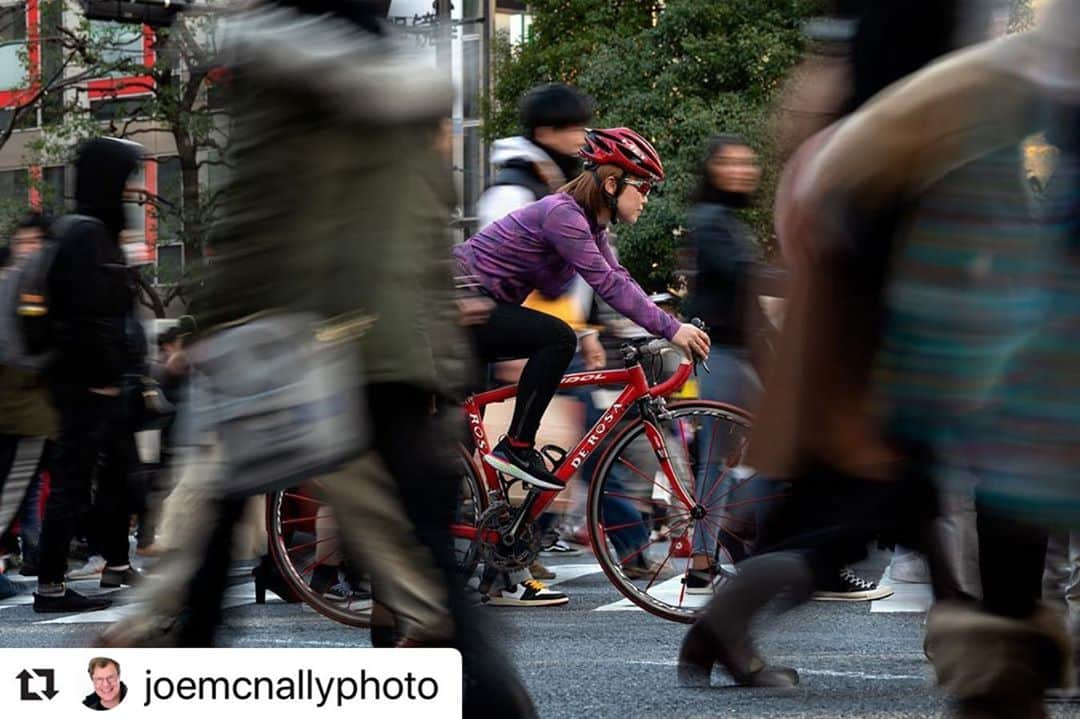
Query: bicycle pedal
{"points": [[554, 454]]}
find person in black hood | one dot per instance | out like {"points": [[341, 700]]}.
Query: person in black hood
{"points": [[91, 302]]}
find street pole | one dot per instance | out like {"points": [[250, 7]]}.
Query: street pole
{"points": [[443, 47]]}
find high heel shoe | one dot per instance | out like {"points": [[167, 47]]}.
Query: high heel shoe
{"points": [[267, 577], [701, 649]]}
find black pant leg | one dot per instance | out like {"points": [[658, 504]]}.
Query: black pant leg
{"points": [[113, 501], [513, 332], [1011, 559], [78, 445]]}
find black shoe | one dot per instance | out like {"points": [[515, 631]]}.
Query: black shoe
{"points": [[701, 649], [113, 578], [267, 577], [523, 463], [28, 569], [323, 578], [69, 601], [846, 586], [701, 581]]}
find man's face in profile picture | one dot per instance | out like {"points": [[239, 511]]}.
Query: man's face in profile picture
{"points": [[108, 690]]}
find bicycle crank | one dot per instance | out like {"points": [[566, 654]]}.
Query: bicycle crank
{"points": [[511, 552]]}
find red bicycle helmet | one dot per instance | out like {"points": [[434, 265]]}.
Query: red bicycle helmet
{"points": [[624, 148]]}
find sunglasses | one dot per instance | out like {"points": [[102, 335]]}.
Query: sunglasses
{"points": [[642, 186]]}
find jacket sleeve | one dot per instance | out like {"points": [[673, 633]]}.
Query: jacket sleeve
{"points": [[499, 201], [568, 232]]}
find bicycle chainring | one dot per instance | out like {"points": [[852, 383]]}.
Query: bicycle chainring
{"points": [[499, 517]]}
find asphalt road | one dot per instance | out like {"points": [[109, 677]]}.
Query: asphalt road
{"points": [[578, 661]]}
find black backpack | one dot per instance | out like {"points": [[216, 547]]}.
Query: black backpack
{"points": [[27, 338], [523, 174]]}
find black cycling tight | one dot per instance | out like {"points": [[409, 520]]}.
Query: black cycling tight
{"points": [[515, 332]]}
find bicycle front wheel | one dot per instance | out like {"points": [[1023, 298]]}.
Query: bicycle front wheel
{"points": [[645, 535]]}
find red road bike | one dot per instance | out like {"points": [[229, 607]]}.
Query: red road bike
{"points": [[670, 482]]}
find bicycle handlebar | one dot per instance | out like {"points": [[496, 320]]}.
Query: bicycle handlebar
{"points": [[635, 353]]}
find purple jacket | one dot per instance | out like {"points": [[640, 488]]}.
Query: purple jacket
{"points": [[541, 246]]}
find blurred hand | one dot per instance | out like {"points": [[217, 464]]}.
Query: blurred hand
{"points": [[592, 352], [474, 310], [177, 364], [692, 341]]}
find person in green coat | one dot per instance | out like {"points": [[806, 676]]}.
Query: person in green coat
{"points": [[339, 204]]}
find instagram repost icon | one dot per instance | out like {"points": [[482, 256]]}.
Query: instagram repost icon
{"points": [[37, 685]]}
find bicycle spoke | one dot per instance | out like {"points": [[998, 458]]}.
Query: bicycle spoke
{"points": [[708, 455], [627, 526], [660, 570], [298, 520], [682, 514], [732, 488], [717, 483], [650, 480], [637, 553], [686, 442], [302, 498], [298, 547]]}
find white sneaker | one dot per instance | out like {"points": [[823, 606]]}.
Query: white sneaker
{"points": [[530, 593], [561, 548], [93, 568], [911, 568]]}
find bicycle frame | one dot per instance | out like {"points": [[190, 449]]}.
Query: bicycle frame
{"points": [[636, 389]]}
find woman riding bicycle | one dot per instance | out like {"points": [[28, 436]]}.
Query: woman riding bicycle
{"points": [[540, 247]]}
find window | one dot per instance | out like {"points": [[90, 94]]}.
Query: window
{"points": [[135, 208], [54, 190], [170, 199], [120, 46], [12, 42], [170, 264], [13, 186], [13, 22], [118, 109]]}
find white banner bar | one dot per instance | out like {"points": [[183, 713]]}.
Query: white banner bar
{"points": [[269, 683]]}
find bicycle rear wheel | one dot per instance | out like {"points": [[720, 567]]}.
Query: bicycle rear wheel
{"points": [[643, 535], [304, 540]]}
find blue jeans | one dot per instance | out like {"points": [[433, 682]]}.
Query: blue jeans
{"points": [[732, 380]]}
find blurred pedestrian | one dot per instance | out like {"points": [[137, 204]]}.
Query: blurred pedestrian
{"points": [[92, 303], [850, 481], [339, 204]]}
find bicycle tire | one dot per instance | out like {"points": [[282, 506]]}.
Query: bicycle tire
{"points": [[651, 599], [296, 567]]}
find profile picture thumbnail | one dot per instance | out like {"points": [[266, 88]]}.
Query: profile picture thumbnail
{"points": [[109, 691]]}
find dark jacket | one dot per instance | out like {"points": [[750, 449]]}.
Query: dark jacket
{"points": [[90, 286], [727, 275], [94, 701]]}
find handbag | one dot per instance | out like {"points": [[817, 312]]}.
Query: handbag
{"points": [[282, 396]]}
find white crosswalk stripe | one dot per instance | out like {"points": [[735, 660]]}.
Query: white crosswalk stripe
{"points": [[907, 598]]}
